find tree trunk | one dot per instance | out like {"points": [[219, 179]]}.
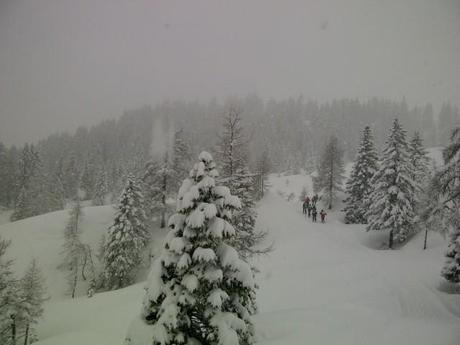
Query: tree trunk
{"points": [[390, 240], [426, 236], [74, 283], [13, 330], [26, 337]]}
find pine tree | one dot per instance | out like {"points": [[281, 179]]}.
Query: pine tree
{"points": [[447, 192], [232, 144], [32, 295], [420, 162], [100, 189], [151, 190], [181, 158], [199, 291], [390, 203], [263, 169], [359, 187], [9, 298], [247, 240], [126, 238], [330, 172], [73, 248]]}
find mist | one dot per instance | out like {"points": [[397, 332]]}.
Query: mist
{"points": [[69, 63]]}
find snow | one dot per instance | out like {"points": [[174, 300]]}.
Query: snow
{"points": [[323, 283]]}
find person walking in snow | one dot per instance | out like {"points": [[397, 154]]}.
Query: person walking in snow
{"points": [[323, 216], [305, 206], [314, 214], [309, 208], [315, 199]]}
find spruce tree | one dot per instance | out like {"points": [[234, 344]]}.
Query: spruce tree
{"points": [[232, 143], [447, 192], [390, 203], [181, 158], [73, 249], [199, 291], [32, 296], [330, 172], [420, 163], [126, 239], [9, 298], [359, 187], [100, 189]]}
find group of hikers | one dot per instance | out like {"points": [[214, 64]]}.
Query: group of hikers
{"points": [[309, 208]]}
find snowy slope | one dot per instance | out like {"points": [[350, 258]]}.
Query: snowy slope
{"points": [[323, 284], [42, 237]]}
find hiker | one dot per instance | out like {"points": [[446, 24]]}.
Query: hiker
{"points": [[305, 206], [307, 200], [309, 210], [323, 216], [315, 199], [314, 213]]}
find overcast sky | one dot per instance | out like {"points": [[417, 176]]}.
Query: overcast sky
{"points": [[69, 62]]}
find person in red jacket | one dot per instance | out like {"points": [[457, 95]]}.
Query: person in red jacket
{"points": [[323, 216]]}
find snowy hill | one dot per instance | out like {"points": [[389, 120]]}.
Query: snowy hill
{"points": [[323, 283], [42, 237]]}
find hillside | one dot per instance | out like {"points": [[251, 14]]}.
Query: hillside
{"points": [[322, 284]]}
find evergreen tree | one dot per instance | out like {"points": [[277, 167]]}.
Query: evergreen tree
{"points": [[247, 240], [391, 202], [199, 291], [73, 248], [359, 187], [9, 298], [232, 144], [181, 158], [32, 295], [330, 172], [151, 190], [420, 162], [447, 193], [100, 189], [263, 169], [126, 238]]}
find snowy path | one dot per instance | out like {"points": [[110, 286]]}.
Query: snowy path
{"points": [[322, 285]]}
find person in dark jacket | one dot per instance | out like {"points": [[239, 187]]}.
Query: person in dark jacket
{"points": [[323, 216], [314, 214]]}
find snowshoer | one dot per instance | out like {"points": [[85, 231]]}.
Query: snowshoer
{"points": [[323, 216], [315, 199], [314, 214]]}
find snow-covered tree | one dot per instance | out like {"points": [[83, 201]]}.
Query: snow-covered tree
{"points": [[9, 298], [181, 158], [247, 240], [359, 187], [391, 201], [32, 296], [232, 145], [330, 172], [100, 189], [199, 291], [73, 249], [420, 163], [263, 168], [126, 239], [447, 194]]}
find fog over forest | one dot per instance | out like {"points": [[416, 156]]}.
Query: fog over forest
{"points": [[244, 172], [69, 63]]}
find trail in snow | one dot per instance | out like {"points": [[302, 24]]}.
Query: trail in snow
{"points": [[323, 285]]}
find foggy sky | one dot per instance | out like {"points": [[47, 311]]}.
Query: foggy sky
{"points": [[69, 62]]}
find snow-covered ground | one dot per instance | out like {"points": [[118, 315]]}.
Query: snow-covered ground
{"points": [[322, 284]]}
